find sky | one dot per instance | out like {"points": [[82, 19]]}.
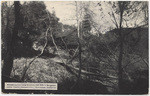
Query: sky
{"points": [[65, 10]]}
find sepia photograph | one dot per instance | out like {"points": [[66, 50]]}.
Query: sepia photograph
{"points": [[75, 47]]}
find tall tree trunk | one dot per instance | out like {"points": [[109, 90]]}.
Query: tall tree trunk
{"points": [[79, 38], [80, 60], [77, 84], [120, 65], [10, 42], [121, 7]]}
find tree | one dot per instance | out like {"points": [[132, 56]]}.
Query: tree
{"points": [[5, 26], [122, 15], [10, 43], [8, 60], [33, 23], [79, 41]]}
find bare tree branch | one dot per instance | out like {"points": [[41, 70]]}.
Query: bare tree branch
{"points": [[64, 43], [114, 19], [146, 62]]}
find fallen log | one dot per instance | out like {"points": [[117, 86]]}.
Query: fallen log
{"points": [[83, 72]]}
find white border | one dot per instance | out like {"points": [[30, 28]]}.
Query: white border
{"points": [[1, 94]]}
